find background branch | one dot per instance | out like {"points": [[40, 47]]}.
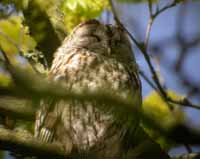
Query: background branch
{"points": [[142, 48]]}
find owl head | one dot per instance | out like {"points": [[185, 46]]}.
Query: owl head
{"points": [[102, 39], [119, 43]]}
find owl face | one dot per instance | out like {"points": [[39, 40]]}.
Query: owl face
{"points": [[90, 35], [103, 39], [119, 44]]}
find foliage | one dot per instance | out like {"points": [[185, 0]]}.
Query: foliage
{"points": [[76, 11], [164, 114], [52, 10], [14, 36]]}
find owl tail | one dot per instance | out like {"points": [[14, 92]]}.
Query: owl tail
{"points": [[46, 127], [46, 135]]}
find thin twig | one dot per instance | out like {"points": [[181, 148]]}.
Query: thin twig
{"points": [[114, 13], [150, 7], [147, 80], [162, 91], [141, 48], [159, 11], [148, 31], [152, 17], [150, 23]]}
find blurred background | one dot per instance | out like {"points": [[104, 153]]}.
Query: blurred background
{"points": [[175, 50], [174, 44]]}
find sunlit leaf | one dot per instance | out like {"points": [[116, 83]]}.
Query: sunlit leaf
{"points": [[76, 11], [14, 37], [159, 110], [51, 9]]}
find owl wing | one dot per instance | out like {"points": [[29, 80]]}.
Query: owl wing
{"points": [[80, 69]]}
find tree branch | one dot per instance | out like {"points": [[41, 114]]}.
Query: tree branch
{"points": [[113, 103], [9, 140], [16, 108], [23, 143]]}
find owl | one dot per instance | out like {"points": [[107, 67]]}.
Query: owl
{"points": [[93, 57]]}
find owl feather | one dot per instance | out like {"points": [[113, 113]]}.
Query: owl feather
{"points": [[93, 57]]}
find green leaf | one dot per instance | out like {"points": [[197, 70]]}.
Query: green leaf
{"points": [[159, 110], [14, 36], [76, 11], [41, 27]]}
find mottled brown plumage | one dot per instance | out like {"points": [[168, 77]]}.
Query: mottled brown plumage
{"points": [[93, 57]]}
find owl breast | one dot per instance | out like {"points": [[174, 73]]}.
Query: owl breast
{"points": [[78, 70]]}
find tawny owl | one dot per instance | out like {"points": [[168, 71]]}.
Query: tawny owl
{"points": [[93, 57]]}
